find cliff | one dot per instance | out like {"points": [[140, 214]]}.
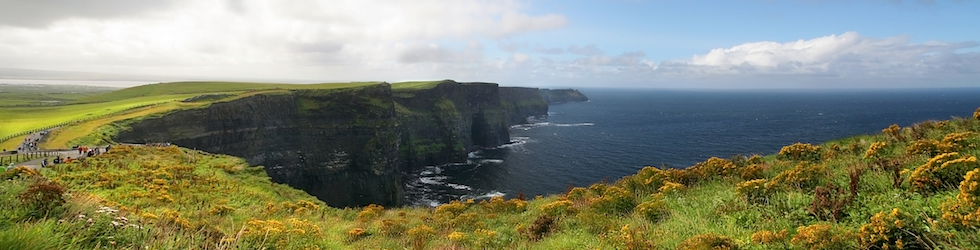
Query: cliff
{"points": [[349, 147], [556, 96]]}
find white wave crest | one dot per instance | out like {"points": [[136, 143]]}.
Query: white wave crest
{"points": [[574, 124], [459, 186], [488, 195]]}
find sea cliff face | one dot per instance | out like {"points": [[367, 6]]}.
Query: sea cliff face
{"points": [[349, 147]]}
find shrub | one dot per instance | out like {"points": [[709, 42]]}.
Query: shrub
{"points": [[964, 211], [629, 239], [894, 132], [499, 205], [558, 208], [646, 181], [420, 236], [822, 236], [976, 114], [923, 146], [944, 170], [874, 151], [895, 229], [392, 227], [20, 171], [541, 227], [654, 210], [707, 241], [614, 200], [43, 195], [801, 152], [486, 239], [803, 176], [829, 202], [714, 167], [220, 210], [770, 237], [755, 191], [356, 234], [370, 212], [291, 233], [669, 187], [754, 171], [457, 237]]}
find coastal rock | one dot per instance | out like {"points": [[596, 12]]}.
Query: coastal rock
{"points": [[349, 147]]}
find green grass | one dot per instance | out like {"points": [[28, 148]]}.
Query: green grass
{"points": [[14, 95], [95, 104], [418, 85], [19, 119], [190, 199], [180, 88]]}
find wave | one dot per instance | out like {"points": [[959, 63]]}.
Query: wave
{"points": [[459, 186], [575, 124], [530, 126], [491, 194], [497, 161]]}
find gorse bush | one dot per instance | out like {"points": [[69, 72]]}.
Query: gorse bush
{"points": [[822, 236], [945, 170], [964, 210], [803, 176], [801, 152], [894, 132], [875, 150], [653, 210], [894, 229], [708, 241], [756, 191], [770, 237], [715, 167], [613, 201]]}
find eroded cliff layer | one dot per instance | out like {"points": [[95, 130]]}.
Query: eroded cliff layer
{"points": [[349, 147]]}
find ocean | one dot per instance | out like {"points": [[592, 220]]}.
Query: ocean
{"points": [[620, 131]]}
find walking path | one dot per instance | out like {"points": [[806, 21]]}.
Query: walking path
{"points": [[30, 145]]}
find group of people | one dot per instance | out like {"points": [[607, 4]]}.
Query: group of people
{"points": [[29, 144]]}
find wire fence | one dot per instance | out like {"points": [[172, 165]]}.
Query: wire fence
{"points": [[22, 157], [8, 137]]}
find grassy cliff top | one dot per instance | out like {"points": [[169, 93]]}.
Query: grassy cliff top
{"points": [[78, 105], [913, 187]]}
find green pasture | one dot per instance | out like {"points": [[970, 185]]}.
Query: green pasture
{"points": [[74, 104], [179, 88], [416, 85], [12, 95]]}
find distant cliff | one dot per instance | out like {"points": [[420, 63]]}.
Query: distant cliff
{"points": [[349, 147], [555, 96]]}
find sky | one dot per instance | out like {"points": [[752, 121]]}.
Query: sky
{"points": [[729, 44]]}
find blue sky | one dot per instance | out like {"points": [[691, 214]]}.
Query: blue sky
{"points": [[732, 44]]}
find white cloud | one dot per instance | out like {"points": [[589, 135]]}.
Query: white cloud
{"points": [[845, 55], [324, 40]]}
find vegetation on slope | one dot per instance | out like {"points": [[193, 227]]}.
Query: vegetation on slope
{"points": [[907, 188], [88, 110]]}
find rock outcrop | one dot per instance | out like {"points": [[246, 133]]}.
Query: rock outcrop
{"points": [[349, 147]]}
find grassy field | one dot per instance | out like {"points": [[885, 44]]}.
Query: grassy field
{"points": [[82, 112], [416, 85], [13, 95], [906, 188]]}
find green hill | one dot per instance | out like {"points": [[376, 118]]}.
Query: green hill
{"points": [[913, 188], [74, 108]]}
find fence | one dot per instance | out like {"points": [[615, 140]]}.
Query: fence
{"points": [[6, 160], [8, 137]]}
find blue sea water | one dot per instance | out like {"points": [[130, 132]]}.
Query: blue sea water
{"points": [[620, 131]]}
